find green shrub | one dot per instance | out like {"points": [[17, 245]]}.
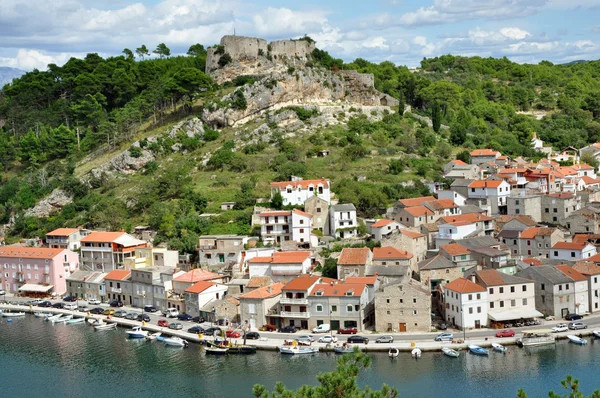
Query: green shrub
{"points": [[239, 101], [135, 152], [224, 60], [210, 135]]}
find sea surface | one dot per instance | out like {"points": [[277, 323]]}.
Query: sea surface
{"points": [[38, 359]]}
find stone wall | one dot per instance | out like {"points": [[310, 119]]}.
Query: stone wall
{"points": [[291, 48]]}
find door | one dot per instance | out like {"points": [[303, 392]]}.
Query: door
{"points": [[477, 324], [564, 312], [303, 324], [252, 323], [335, 325], [402, 327], [221, 257]]}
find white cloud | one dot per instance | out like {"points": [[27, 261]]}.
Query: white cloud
{"points": [[515, 33], [278, 21], [33, 59]]}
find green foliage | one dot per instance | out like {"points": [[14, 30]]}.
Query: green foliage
{"points": [[396, 166], [210, 134], [224, 60], [162, 50], [239, 101], [277, 201], [323, 58], [330, 268], [571, 385], [304, 113], [135, 151], [436, 117], [465, 156]]}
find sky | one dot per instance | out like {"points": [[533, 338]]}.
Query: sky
{"points": [[35, 33]]}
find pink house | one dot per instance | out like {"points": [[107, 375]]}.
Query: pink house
{"points": [[36, 270]]}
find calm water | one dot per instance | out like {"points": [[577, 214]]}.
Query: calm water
{"points": [[39, 359]]}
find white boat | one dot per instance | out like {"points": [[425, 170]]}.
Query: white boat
{"points": [[416, 353], [393, 352], [94, 321], [42, 314], [475, 349], [450, 352], [296, 350], [63, 319], [176, 342], [53, 317], [153, 336], [532, 338], [216, 350], [499, 347], [136, 332], [576, 339], [13, 314], [106, 326], [75, 321], [596, 333]]}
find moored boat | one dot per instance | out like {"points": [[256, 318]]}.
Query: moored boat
{"points": [[345, 349], [63, 319], [176, 342], [475, 349], [499, 347], [393, 352], [532, 338], [13, 314], [216, 350], [154, 336], [416, 353], [577, 339], [94, 321], [53, 317], [75, 321], [450, 352], [242, 349], [106, 326], [42, 314], [296, 350], [136, 332]]}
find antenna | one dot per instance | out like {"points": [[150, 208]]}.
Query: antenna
{"points": [[234, 31]]}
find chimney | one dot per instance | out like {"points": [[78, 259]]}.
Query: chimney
{"points": [[473, 278], [331, 283], [269, 289]]}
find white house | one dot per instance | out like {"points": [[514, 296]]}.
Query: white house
{"points": [[592, 272], [281, 265], [572, 251], [279, 226], [454, 231], [495, 191], [342, 221], [295, 193], [383, 228], [200, 294], [465, 303], [454, 196]]}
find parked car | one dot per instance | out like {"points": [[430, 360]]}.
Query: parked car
{"points": [[357, 339], [287, 329], [120, 313], [83, 308], [307, 337], [176, 326], [577, 325], [150, 308], [163, 322], [198, 319], [2, 292], [195, 329], [233, 333], [97, 311], [211, 331], [132, 316], [269, 328], [322, 328], [573, 317], [442, 326], [171, 313], [109, 311], [58, 305], [384, 339], [34, 302], [347, 331], [94, 301], [444, 337], [45, 304], [222, 322], [70, 306], [561, 327], [505, 333], [116, 303], [70, 298], [328, 339], [143, 317], [252, 335], [184, 317]]}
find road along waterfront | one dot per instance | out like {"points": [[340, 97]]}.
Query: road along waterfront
{"points": [[45, 360]]}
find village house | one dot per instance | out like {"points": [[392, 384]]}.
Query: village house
{"points": [[150, 286], [556, 207], [319, 209], [455, 197], [353, 261], [281, 265], [415, 216], [461, 186], [403, 306], [592, 272], [479, 156], [514, 223], [117, 285], [281, 226], [339, 304], [383, 228], [465, 304], [86, 285], [294, 303], [388, 255], [463, 226], [490, 257], [572, 251], [456, 253], [202, 293], [584, 221], [107, 251], [495, 191], [220, 250], [523, 204], [342, 221], [259, 306], [184, 280], [64, 238], [536, 242], [152, 257], [457, 169], [410, 241], [224, 308], [438, 270], [37, 271], [295, 193], [411, 202]]}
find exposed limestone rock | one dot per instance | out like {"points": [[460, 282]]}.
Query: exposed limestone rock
{"points": [[122, 163], [51, 204], [192, 128]]}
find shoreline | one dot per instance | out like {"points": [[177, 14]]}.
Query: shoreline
{"points": [[265, 344]]}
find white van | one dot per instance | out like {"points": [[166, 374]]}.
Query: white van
{"points": [[322, 328], [171, 313]]}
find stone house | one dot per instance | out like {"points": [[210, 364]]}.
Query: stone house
{"points": [[220, 250], [456, 253], [461, 171], [415, 216], [225, 308], [64, 238], [530, 205], [340, 305], [479, 156], [201, 294], [342, 221], [556, 207], [410, 241], [438, 270], [281, 266], [411, 202], [86, 285], [403, 306], [184, 280], [259, 306], [584, 221], [592, 272], [461, 186], [388, 255], [514, 223], [465, 304], [227, 205], [537, 242], [353, 262], [383, 228], [319, 208], [117, 285]]}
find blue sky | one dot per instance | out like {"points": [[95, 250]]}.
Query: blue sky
{"points": [[34, 33]]}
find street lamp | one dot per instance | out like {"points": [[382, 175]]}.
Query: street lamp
{"points": [[462, 318], [77, 297], [330, 328]]}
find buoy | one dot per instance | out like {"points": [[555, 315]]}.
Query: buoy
{"points": [[143, 323], [412, 344], [200, 335]]}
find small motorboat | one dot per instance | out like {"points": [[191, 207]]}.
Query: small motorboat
{"points": [[53, 317], [94, 321], [343, 349], [242, 349], [416, 353], [499, 348], [393, 352], [42, 314], [297, 350], [154, 336], [105, 326], [63, 319], [176, 342], [13, 314], [450, 352], [577, 339], [216, 350], [596, 333], [136, 332], [475, 349], [76, 321]]}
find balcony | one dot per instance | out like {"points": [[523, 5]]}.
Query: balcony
{"points": [[277, 232], [293, 301], [304, 315], [207, 247], [116, 290]]}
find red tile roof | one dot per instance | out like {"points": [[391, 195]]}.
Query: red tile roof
{"points": [[381, 223], [587, 268], [199, 287], [533, 261], [302, 183], [462, 285], [62, 232], [367, 280], [29, 252], [457, 161], [352, 256], [454, 249], [418, 211], [412, 202], [275, 213], [196, 275], [338, 290], [570, 245], [570, 272], [303, 282], [531, 233], [294, 257], [486, 183], [259, 281], [484, 152], [302, 213], [118, 275], [389, 252], [103, 237], [264, 292], [470, 218], [412, 234]]}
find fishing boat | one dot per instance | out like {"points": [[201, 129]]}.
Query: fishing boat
{"points": [[176, 342], [53, 317], [216, 350], [13, 314], [393, 352], [242, 349], [154, 336], [499, 348], [297, 350], [450, 352], [475, 349], [533, 338], [596, 333], [136, 332], [63, 319], [105, 326], [416, 353], [577, 339], [94, 321], [76, 321]]}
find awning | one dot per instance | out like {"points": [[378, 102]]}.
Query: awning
{"points": [[30, 287], [514, 314]]}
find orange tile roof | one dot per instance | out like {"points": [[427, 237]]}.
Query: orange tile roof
{"points": [[454, 249], [264, 292], [484, 152], [352, 256], [302, 282], [390, 252], [418, 211], [118, 275], [589, 180], [275, 213], [582, 166], [381, 223], [367, 280], [338, 289], [302, 183], [412, 234], [196, 275], [457, 161], [513, 170], [62, 232], [103, 237], [29, 252], [412, 202], [570, 245], [259, 281], [533, 261], [585, 237], [302, 213], [485, 184], [587, 268], [462, 285], [294, 257], [531, 233], [570, 272], [199, 287], [470, 218], [595, 258]]}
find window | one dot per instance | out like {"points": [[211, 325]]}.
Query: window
{"points": [[501, 290], [28, 266], [252, 308], [524, 288], [414, 300], [478, 296], [470, 310], [514, 241], [472, 189], [555, 253], [301, 221], [543, 287], [501, 304], [567, 286], [470, 297], [517, 211], [334, 308], [349, 308], [528, 243], [491, 290], [524, 301], [512, 289], [513, 303], [517, 201], [560, 287], [319, 308], [388, 312], [387, 301], [415, 312], [546, 210], [401, 301], [554, 218], [479, 310], [572, 254], [301, 230]]}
